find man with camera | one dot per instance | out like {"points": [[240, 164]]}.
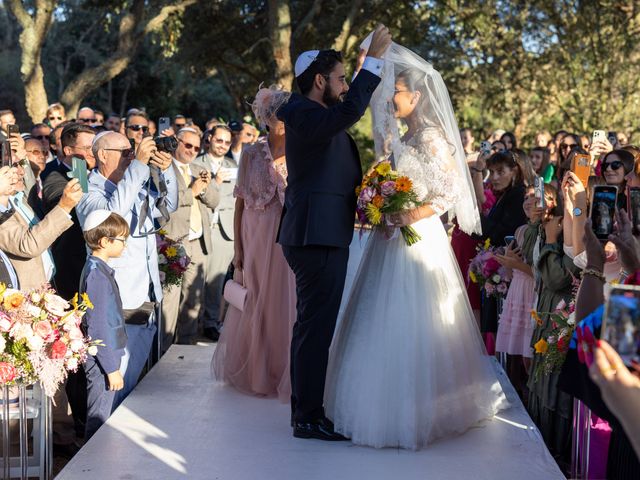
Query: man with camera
{"points": [[136, 126], [198, 196], [122, 184]]}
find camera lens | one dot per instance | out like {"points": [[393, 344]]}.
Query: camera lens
{"points": [[166, 144]]}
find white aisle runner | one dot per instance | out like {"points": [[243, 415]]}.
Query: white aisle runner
{"points": [[179, 424]]}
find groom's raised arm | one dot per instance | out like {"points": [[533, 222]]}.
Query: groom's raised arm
{"points": [[317, 123]]}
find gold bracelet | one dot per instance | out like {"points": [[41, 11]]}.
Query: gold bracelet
{"points": [[594, 273]]}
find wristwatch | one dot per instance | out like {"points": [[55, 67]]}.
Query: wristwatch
{"points": [[577, 212]]}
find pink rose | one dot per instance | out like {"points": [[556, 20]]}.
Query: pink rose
{"points": [[55, 305], [43, 330], [76, 346], [58, 349], [8, 373], [76, 334], [490, 267], [5, 322]]}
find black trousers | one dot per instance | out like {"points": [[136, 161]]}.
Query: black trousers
{"points": [[320, 274]]}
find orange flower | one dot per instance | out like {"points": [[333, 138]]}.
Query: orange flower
{"points": [[536, 317], [378, 201], [13, 301], [403, 184]]}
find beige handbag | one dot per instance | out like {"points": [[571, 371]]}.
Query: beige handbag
{"points": [[236, 293]]}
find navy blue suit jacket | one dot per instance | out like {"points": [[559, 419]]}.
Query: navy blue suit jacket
{"points": [[323, 167]]}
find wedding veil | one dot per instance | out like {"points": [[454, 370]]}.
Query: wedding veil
{"points": [[436, 111]]}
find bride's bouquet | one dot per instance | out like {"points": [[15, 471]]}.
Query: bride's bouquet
{"points": [[384, 192]]}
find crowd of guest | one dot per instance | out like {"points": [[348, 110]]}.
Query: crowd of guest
{"points": [[219, 191], [547, 242]]}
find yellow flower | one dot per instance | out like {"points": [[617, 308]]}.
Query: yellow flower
{"points": [[403, 184], [542, 346], [473, 277], [383, 168], [3, 287], [358, 190], [86, 301], [13, 301], [74, 301], [162, 232], [171, 252], [373, 214], [536, 317], [487, 243]]}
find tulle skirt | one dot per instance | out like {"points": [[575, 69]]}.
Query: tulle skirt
{"points": [[515, 328], [407, 363]]}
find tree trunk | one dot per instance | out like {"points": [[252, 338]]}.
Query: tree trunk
{"points": [[340, 43], [132, 31], [34, 32], [280, 36]]}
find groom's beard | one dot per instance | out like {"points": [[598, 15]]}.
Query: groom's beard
{"points": [[329, 98]]}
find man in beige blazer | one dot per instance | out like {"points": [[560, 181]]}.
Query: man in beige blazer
{"points": [[26, 239], [198, 196]]}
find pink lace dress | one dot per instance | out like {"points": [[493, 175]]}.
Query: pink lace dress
{"points": [[253, 350]]}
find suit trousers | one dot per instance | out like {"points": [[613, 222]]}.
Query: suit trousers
{"points": [[217, 265], [320, 276], [181, 304], [99, 397]]}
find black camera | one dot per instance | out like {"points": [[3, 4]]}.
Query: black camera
{"points": [[166, 144]]}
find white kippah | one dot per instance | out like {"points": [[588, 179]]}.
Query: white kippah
{"points": [[366, 43], [94, 219], [304, 60]]}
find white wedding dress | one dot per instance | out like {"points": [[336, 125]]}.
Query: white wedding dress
{"points": [[407, 363]]}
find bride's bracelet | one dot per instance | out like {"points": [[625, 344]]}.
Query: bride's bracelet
{"points": [[594, 273]]}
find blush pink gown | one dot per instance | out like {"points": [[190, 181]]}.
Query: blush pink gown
{"points": [[253, 351]]}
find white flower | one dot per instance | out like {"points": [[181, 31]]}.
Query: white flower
{"points": [[496, 278], [21, 331], [72, 363], [162, 260], [36, 297], [34, 311], [572, 319], [76, 345], [92, 350], [3, 343], [35, 343]]}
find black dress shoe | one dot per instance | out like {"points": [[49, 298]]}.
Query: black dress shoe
{"points": [[211, 333], [321, 429]]}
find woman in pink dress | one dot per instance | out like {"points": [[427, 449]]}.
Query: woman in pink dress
{"points": [[253, 351]]}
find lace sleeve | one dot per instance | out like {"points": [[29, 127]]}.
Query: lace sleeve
{"points": [[240, 191], [428, 161]]}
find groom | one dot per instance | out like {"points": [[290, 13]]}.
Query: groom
{"points": [[319, 212]]}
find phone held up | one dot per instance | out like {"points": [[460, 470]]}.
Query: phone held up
{"points": [[510, 240], [485, 147], [164, 123], [598, 136], [538, 189], [633, 207], [79, 171], [621, 325], [603, 207], [581, 167]]}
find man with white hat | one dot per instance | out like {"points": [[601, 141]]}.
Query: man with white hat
{"points": [[319, 211]]}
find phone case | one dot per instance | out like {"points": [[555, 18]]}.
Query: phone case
{"points": [[581, 167], [603, 204], [79, 171]]}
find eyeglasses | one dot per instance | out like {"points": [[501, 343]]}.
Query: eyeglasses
{"points": [[87, 120], [341, 79], [615, 165], [38, 152], [220, 141], [40, 137], [124, 152], [85, 149], [123, 240], [137, 128], [188, 146]]}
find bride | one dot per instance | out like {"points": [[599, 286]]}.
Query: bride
{"points": [[407, 364]]}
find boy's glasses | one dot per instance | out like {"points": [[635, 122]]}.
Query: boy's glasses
{"points": [[119, 239]]}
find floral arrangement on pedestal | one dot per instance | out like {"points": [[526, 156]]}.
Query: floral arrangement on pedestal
{"points": [[172, 260], [484, 270], [554, 347], [40, 337], [382, 193]]}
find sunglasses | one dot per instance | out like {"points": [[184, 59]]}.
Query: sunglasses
{"points": [[40, 137], [180, 125], [55, 118], [188, 146], [137, 128], [220, 141], [568, 145], [615, 165], [38, 152], [87, 120], [124, 152]]}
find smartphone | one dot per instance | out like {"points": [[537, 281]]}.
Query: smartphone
{"points": [[633, 207], [164, 123], [509, 240], [6, 154], [79, 171], [485, 147], [613, 138], [538, 188], [581, 167], [11, 129], [598, 135], [603, 207], [621, 324]]}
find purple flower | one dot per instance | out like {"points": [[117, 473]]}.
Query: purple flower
{"points": [[502, 288], [388, 188], [367, 194]]}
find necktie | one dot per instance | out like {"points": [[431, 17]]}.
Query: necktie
{"points": [[195, 218]]}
